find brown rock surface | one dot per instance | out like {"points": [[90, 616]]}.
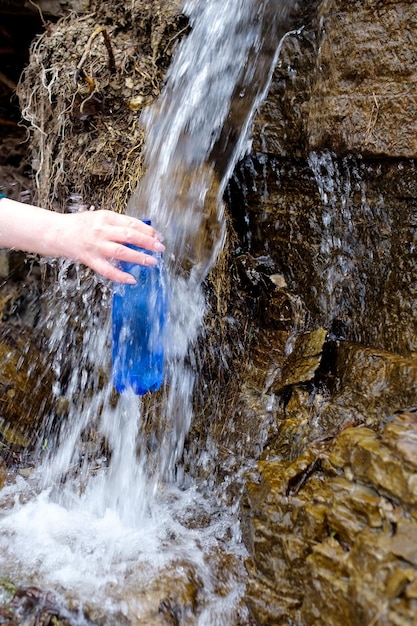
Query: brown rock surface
{"points": [[26, 398], [332, 535], [344, 82], [341, 232], [363, 98], [329, 513]]}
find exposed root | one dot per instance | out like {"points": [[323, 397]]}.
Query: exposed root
{"points": [[86, 135]]}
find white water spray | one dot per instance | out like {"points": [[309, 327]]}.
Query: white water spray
{"points": [[102, 529]]}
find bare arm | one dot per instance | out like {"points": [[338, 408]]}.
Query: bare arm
{"points": [[94, 238]]}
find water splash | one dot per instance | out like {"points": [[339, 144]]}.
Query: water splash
{"points": [[105, 526]]}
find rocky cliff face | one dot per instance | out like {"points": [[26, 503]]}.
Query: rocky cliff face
{"points": [[327, 202], [321, 383], [338, 546], [362, 97], [339, 221]]}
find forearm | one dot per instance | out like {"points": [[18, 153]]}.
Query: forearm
{"points": [[29, 228], [96, 238]]}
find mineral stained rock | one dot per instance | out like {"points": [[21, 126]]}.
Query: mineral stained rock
{"points": [[344, 82], [363, 97], [330, 187], [332, 536]]}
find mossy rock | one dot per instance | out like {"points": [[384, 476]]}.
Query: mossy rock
{"points": [[25, 386]]}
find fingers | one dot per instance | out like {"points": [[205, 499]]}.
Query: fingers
{"points": [[118, 252], [139, 225], [125, 229], [136, 238], [102, 262], [101, 238], [107, 270], [131, 224]]}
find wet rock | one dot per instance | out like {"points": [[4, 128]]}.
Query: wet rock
{"points": [[268, 350], [339, 228], [164, 603], [279, 126], [304, 359], [367, 457], [352, 385], [371, 384], [341, 232], [362, 97], [343, 81], [26, 387], [32, 606], [297, 422], [276, 566], [3, 472], [171, 597], [332, 536], [329, 505]]}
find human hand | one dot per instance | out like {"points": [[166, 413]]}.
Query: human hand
{"points": [[96, 238]]}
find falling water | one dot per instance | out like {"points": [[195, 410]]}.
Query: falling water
{"points": [[336, 186], [104, 528], [351, 222], [195, 134]]}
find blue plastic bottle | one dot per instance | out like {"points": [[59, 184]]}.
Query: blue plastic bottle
{"points": [[138, 328]]}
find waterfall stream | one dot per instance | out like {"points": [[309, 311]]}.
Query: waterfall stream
{"points": [[107, 531]]}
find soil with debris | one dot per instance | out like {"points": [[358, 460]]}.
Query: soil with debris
{"points": [[82, 92]]}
